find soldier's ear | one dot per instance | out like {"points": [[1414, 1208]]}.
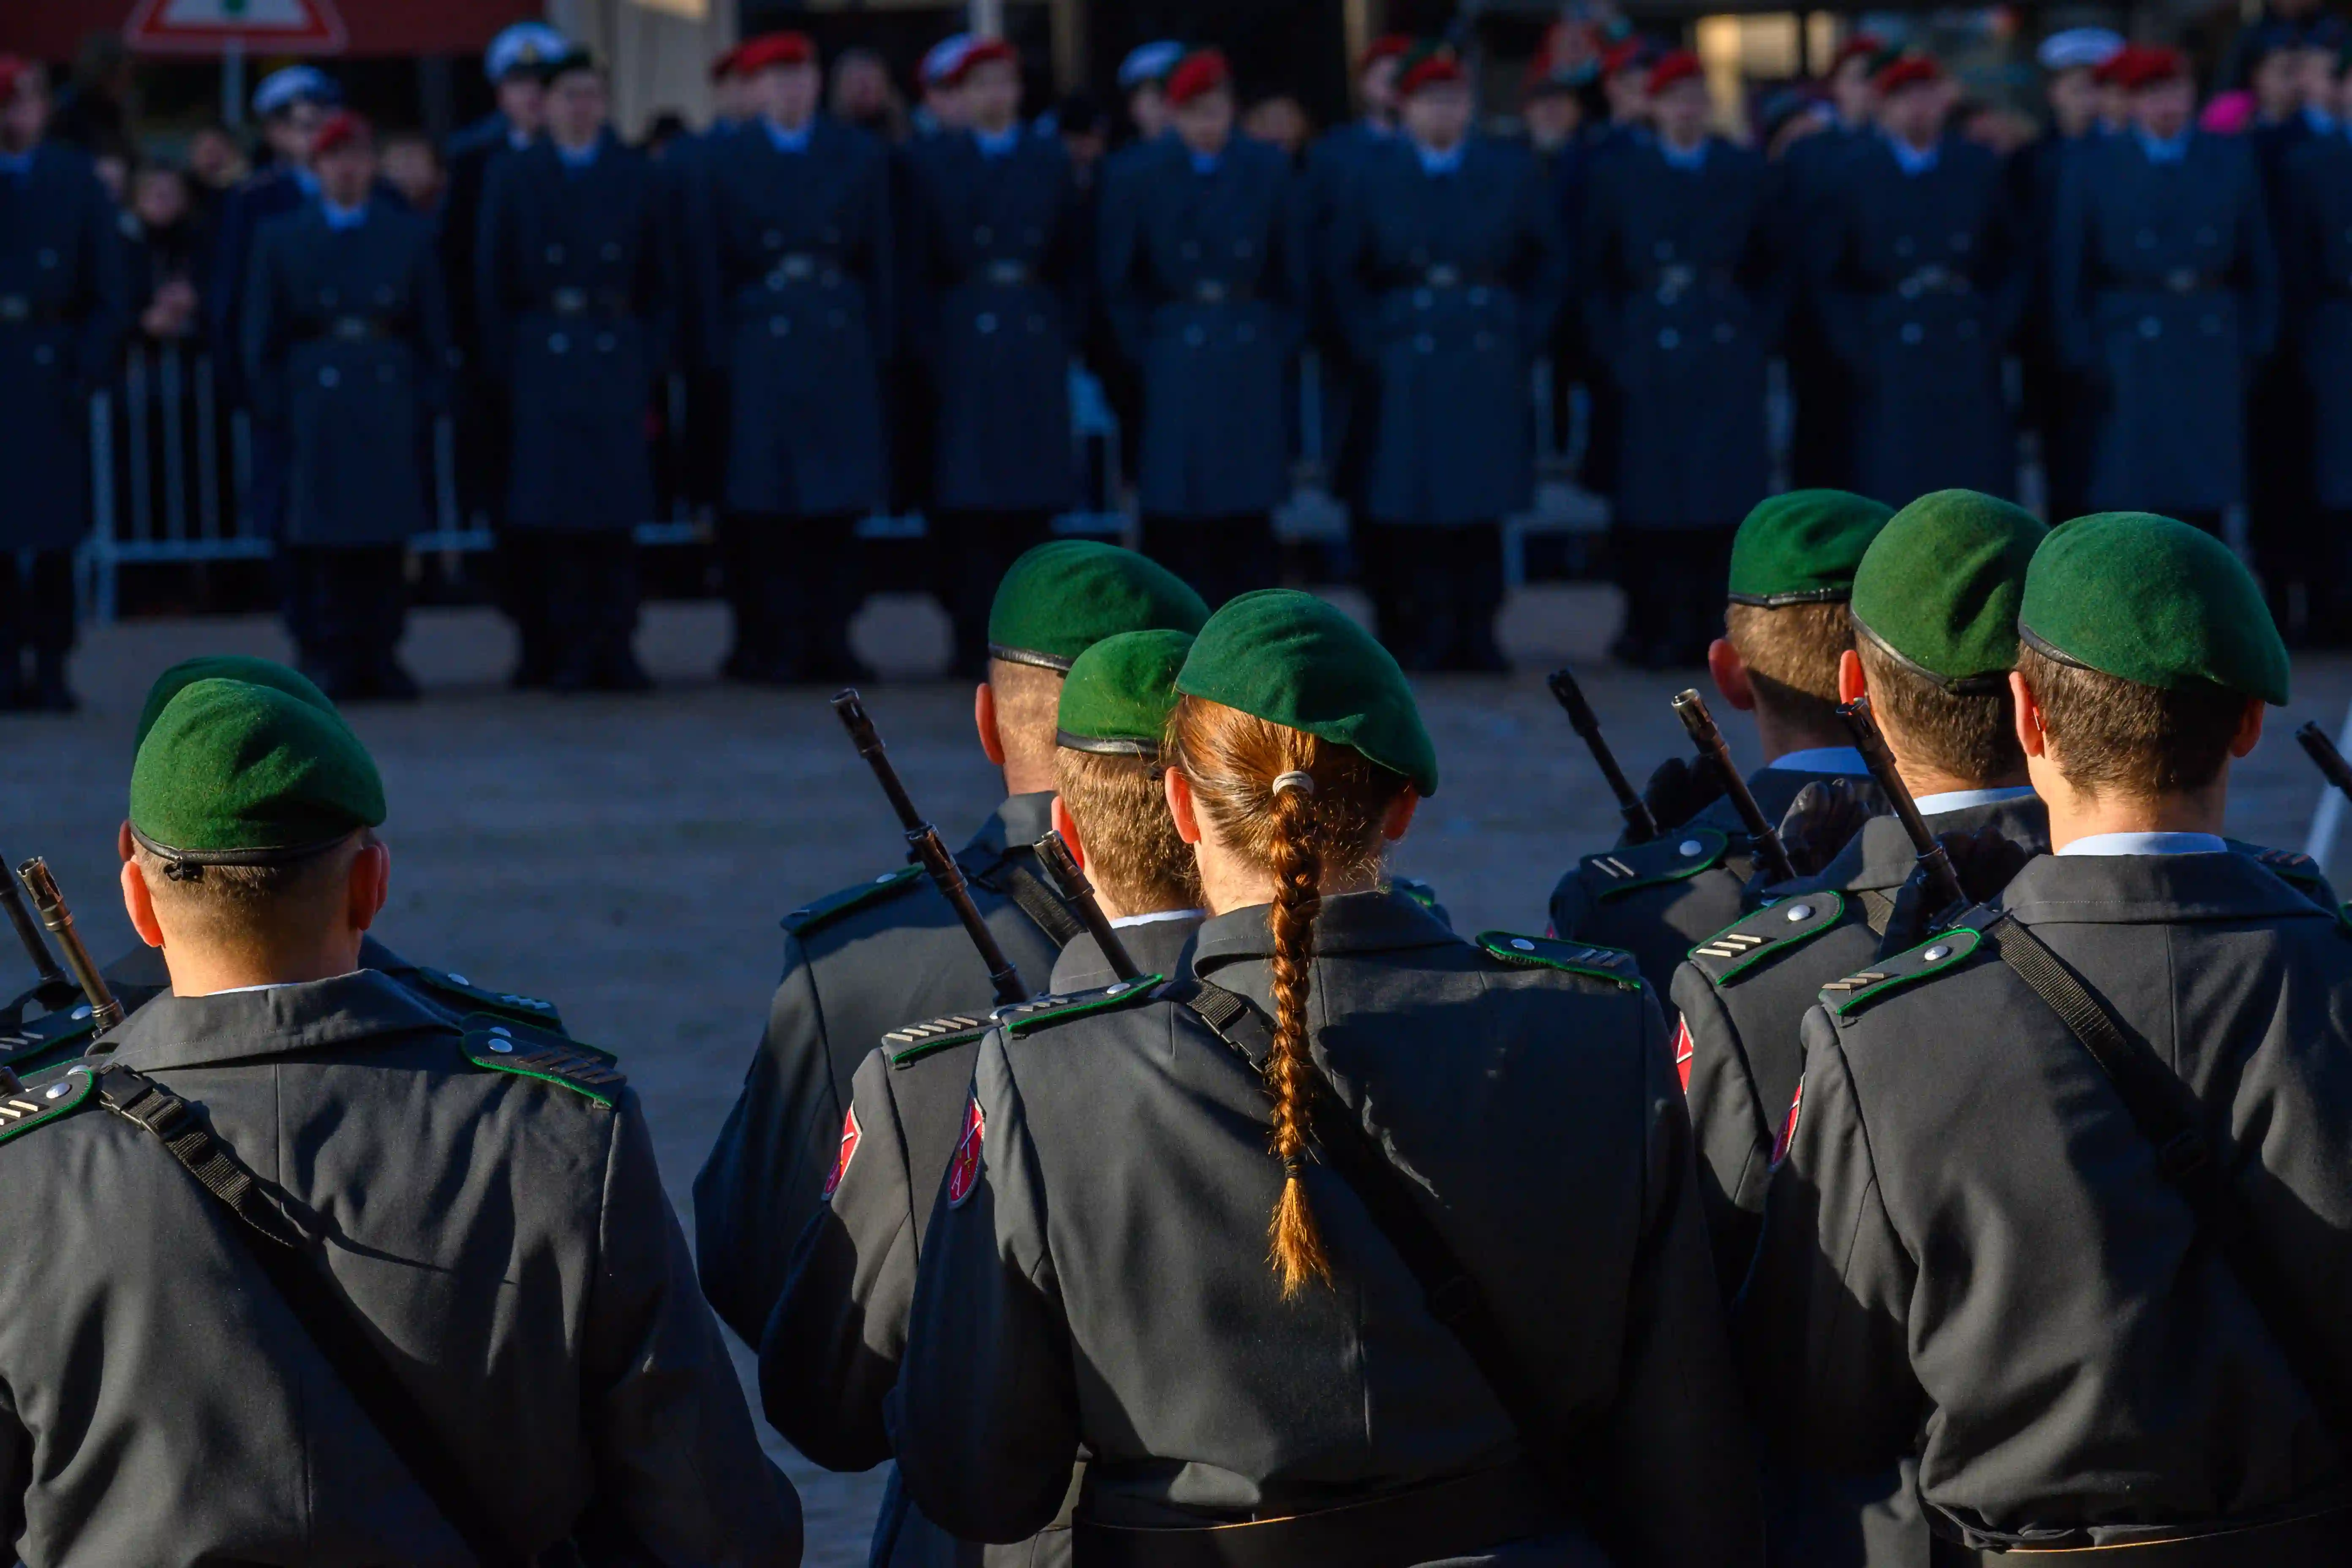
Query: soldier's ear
{"points": [[1398, 818], [1730, 673], [2250, 728], [122, 842], [1851, 685], [2028, 713], [983, 719], [1179, 790], [1067, 826], [140, 904]]}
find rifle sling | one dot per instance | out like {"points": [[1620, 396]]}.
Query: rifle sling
{"points": [[2163, 1109], [284, 1244]]}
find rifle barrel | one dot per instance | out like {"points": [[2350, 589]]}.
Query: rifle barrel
{"points": [[1871, 743], [1691, 708], [1640, 826], [44, 963], [105, 1011], [1070, 882], [2324, 754]]}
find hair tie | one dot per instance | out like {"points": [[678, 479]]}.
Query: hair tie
{"points": [[1293, 781]]}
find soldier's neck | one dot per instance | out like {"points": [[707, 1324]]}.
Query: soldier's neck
{"points": [[1780, 735], [2074, 814], [199, 970]]}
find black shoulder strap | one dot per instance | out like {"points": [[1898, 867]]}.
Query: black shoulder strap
{"points": [[1009, 877], [282, 1242], [2161, 1108], [1451, 1296]]}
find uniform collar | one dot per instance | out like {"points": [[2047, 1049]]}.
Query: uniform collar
{"points": [[1019, 822], [784, 141], [1382, 922], [1690, 162], [1880, 857], [1914, 161], [2145, 890], [342, 219], [1962, 799], [1004, 144], [1206, 163], [2173, 151], [282, 1020], [1449, 162], [1158, 946], [578, 157]]}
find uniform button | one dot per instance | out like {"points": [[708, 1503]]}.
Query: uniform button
{"points": [[57, 1091], [1523, 944], [1937, 953], [1913, 333], [458, 978], [329, 376], [558, 343], [1801, 912], [1425, 343], [606, 342], [1194, 337], [986, 322], [612, 250], [1670, 339], [501, 1045], [884, 878], [2149, 326], [778, 326], [555, 253], [1723, 332], [83, 1011], [1688, 848], [982, 235]]}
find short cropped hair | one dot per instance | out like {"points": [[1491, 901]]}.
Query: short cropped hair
{"points": [[1792, 655], [1970, 736], [1028, 706], [1133, 853], [234, 905], [2112, 736]]}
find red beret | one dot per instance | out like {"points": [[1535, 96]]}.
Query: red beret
{"points": [[1622, 55], [344, 125], [1387, 47], [1906, 71], [1679, 65], [1860, 47], [978, 53], [1434, 66], [1202, 71], [722, 64], [2143, 65], [14, 69], [770, 50]]}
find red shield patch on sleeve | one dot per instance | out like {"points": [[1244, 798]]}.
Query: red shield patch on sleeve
{"points": [[1682, 1051], [963, 1172], [849, 1136], [1789, 1129]]}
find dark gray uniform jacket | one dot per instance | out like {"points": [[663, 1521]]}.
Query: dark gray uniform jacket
{"points": [[1743, 992], [1970, 1252], [1102, 1280], [506, 1239], [859, 961], [1658, 900], [139, 977], [833, 1344]]}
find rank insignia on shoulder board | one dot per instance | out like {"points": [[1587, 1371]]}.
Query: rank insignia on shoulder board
{"points": [[496, 1045], [1683, 852]]}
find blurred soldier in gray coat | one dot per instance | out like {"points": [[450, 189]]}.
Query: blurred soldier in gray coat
{"points": [[62, 314], [1450, 271], [1204, 273], [792, 283], [1685, 296], [577, 297], [2166, 290], [2316, 268], [346, 347]]}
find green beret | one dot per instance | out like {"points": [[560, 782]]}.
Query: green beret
{"points": [[2152, 601], [242, 667], [1065, 596], [1119, 692], [234, 774], [1938, 589], [1801, 548], [1294, 659]]}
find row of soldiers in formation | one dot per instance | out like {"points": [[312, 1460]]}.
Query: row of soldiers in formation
{"points": [[813, 281], [1869, 1205]]}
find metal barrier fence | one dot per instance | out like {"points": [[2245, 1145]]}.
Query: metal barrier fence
{"points": [[173, 475]]}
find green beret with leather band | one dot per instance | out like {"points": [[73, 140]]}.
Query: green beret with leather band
{"points": [[1292, 660], [2154, 601], [1801, 548], [1937, 590], [234, 774], [1063, 596], [242, 667], [1119, 692]]}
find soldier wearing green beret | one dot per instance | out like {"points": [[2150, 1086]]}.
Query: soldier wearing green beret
{"points": [[1792, 566], [873, 956], [140, 974], [834, 1344], [2062, 1210], [1135, 1254], [322, 1274]]}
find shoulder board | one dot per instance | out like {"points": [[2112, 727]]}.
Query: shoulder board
{"points": [[1680, 852], [2287, 864], [27, 1047], [497, 1044], [473, 998], [1845, 998], [1027, 1017], [32, 1105], [1777, 927], [913, 1042], [832, 906], [1613, 964]]}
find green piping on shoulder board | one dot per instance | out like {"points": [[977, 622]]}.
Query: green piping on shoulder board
{"points": [[37, 1105], [1030, 1016], [1614, 964], [1932, 957], [495, 1045], [1780, 927], [832, 906], [1672, 857]]}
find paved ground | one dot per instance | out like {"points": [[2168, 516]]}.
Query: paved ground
{"points": [[629, 857]]}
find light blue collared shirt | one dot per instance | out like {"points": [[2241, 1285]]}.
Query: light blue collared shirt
{"points": [[1206, 163], [306, 182], [1433, 161], [1961, 799], [1004, 144], [2148, 844], [1693, 160], [1824, 760], [784, 141], [342, 219], [1156, 916], [2322, 123], [1914, 161], [578, 157], [2173, 151]]}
